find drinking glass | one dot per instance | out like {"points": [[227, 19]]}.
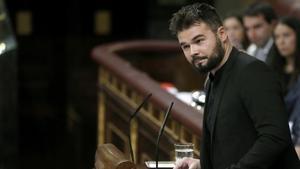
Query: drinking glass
{"points": [[183, 150]]}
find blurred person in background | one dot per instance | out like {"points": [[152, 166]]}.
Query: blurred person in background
{"points": [[233, 24], [287, 37], [259, 21]]}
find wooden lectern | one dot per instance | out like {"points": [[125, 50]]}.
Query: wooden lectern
{"points": [[109, 157]]}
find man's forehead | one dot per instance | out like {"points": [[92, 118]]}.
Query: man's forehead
{"points": [[252, 21], [259, 17], [197, 27], [201, 28]]}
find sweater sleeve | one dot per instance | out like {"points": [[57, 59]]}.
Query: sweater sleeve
{"points": [[295, 116], [261, 94]]}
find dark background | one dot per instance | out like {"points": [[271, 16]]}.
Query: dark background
{"points": [[48, 93], [54, 116]]}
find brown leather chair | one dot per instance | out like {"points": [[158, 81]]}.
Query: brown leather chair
{"points": [[109, 157]]}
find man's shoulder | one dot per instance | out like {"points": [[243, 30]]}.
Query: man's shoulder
{"points": [[244, 59], [247, 65]]}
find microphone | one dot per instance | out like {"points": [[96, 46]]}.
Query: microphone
{"points": [[160, 133], [131, 117]]}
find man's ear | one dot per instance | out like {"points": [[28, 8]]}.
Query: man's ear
{"points": [[222, 34]]}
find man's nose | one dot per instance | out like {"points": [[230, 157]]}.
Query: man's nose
{"points": [[194, 50], [252, 34]]}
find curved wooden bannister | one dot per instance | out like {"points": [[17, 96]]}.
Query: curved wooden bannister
{"points": [[119, 79]]}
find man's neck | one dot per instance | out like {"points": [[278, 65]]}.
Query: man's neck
{"points": [[267, 44], [227, 48]]}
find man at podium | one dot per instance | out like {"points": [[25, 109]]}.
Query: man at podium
{"points": [[245, 124]]}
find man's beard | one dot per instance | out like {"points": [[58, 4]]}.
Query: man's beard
{"points": [[213, 61]]}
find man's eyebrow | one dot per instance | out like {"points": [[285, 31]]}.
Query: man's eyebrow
{"points": [[194, 38], [258, 25], [182, 43], [198, 36]]}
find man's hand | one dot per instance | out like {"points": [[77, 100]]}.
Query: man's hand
{"points": [[187, 163], [298, 150]]}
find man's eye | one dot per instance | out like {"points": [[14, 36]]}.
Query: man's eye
{"points": [[185, 46], [199, 41]]}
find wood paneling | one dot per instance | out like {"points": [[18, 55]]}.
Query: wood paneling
{"points": [[122, 85]]}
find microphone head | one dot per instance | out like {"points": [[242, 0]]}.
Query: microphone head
{"points": [[140, 106], [131, 117], [160, 133]]}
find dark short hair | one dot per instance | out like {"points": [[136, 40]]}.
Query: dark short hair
{"points": [[261, 8], [195, 13]]}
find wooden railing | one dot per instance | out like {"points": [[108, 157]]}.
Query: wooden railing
{"points": [[122, 87]]}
